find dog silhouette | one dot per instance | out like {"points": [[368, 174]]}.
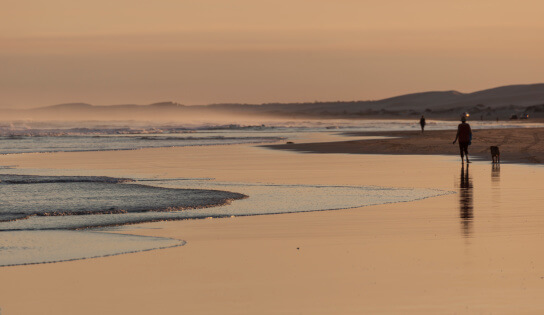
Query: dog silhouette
{"points": [[495, 154]]}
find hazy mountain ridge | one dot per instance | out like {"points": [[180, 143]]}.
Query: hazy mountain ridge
{"points": [[499, 102]]}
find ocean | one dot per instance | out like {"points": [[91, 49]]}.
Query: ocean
{"points": [[44, 137], [51, 216]]}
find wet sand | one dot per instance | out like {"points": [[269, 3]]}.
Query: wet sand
{"points": [[475, 251], [520, 145]]}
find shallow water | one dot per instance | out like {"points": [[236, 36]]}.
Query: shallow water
{"points": [[31, 137], [497, 199], [35, 247], [79, 197], [40, 207], [32, 204], [91, 207], [483, 244], [74, 143]]}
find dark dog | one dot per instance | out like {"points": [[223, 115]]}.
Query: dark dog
{"points": [[495, 154]]}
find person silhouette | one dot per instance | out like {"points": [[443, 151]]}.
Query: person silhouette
{"points": [[422, 123], [464, 135]]}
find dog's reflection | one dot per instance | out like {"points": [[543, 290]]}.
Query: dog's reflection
{"points": [[466, 208], [495, 172]]}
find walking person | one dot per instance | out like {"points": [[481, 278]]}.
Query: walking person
{"points": [[464, 135], [422, 123]]}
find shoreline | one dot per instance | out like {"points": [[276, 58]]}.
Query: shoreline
{"points": [[457, 253], [517, 145]]}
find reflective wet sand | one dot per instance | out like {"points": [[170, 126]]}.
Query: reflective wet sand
{"points": [[476, 251]]}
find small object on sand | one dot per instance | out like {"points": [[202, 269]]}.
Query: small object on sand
{"points": [[495, 154], [290, 142], [298, 248]]}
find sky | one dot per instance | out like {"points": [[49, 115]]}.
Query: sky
{"points": [[194, 52]]}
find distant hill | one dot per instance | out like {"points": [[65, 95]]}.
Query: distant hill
{"points": [[500, 102], [497, 102]]}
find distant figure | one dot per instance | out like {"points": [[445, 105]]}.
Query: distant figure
{"points": [[422, 123], [495, 154], [464, 135]]}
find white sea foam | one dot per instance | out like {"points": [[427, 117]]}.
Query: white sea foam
{"points": [[44, 208], [29, 137], [25, 196], [263, 199], [33, 204]]}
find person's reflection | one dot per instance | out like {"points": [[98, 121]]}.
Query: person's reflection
{"points": [[466, 209]]}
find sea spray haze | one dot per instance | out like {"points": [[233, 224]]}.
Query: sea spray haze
{"points": [[500, 102]]}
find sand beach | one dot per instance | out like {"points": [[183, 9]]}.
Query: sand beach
{"points": [[266, 157], [474, 250], [517, 145]]}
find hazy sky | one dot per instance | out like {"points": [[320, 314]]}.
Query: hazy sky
{"points": [[255, 51]]}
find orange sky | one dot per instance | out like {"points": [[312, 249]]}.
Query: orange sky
{"points": [[209, 51]]}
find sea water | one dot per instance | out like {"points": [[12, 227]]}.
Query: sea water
{"points": [[54, 218], [51, 219], [91, 202], [33, 137]]}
